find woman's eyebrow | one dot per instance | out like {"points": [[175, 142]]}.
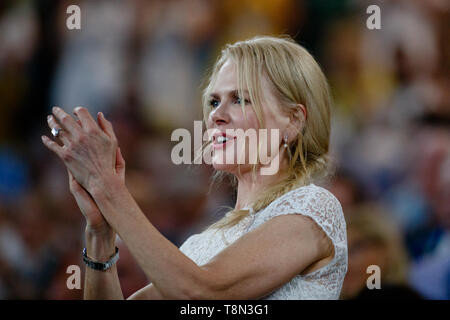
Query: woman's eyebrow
{"points": [[231, 93]]}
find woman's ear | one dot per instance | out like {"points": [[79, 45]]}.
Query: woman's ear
{"points": [[299, 114], [302, 108], [297, 121]]}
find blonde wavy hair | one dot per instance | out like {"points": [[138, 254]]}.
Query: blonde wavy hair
{"points": [[297, 79]]}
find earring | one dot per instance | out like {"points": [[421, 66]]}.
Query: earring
{"points": [[286, 146], [285, 141]]}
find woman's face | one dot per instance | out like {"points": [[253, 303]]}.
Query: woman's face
{"points": [[227, 116]]}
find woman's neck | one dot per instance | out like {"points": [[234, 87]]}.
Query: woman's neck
{"points": [[249, 188]]}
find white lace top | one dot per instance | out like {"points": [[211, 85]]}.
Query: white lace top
{"points": [[312, 201]]}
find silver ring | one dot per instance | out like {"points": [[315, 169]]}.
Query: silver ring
{"points": [[55, 132]]}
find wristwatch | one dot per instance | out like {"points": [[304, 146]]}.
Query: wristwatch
{"points": [[101, 266]]}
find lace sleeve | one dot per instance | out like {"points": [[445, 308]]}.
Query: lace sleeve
{"points": [[316, 203]]}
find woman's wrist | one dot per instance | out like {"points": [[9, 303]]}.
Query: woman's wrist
{"points": [[99, 187], [100, 246]]}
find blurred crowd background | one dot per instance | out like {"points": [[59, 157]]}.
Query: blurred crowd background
{"points": [[142, 63]]}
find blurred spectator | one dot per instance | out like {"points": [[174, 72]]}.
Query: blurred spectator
{"points": [[430, 244], [92, 68], [347, 189], [373, 240]]}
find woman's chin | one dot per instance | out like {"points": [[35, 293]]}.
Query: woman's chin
{"points": [[232, 168]]}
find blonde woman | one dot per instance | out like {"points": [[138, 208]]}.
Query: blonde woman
{"points": [[285, 238]]}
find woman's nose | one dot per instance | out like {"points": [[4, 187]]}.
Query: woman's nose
{"points": [[219, 116]]}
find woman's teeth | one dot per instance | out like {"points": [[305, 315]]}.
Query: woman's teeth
{"points": [[222, 139]]}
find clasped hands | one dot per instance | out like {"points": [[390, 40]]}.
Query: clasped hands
{"points": [[92, 157]]}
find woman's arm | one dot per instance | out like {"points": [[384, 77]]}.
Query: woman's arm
{"points": [[149, 292], [100, 285], [99, 236], [248, 269], [173, 274], [100, 243]]}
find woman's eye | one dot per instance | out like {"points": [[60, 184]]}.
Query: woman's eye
{"points": [[214, 103], [238, 101]]}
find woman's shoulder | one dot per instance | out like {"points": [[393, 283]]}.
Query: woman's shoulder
{"points": [[310, 194], [313, 201]]}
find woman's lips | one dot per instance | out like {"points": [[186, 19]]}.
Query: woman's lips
{"points": [[217, 145]]}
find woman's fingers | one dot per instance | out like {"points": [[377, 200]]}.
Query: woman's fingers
{"points": [[87, 122], [120, 164], [73, 184], [77, 189], [85, 202], [106, 126], [53, 124], [66, 121], [87, 152], [53, 146]]}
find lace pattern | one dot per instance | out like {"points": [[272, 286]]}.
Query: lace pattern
{"points": [[312, 201]]}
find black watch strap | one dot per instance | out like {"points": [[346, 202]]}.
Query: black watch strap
{"points": [[101, 266]]}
